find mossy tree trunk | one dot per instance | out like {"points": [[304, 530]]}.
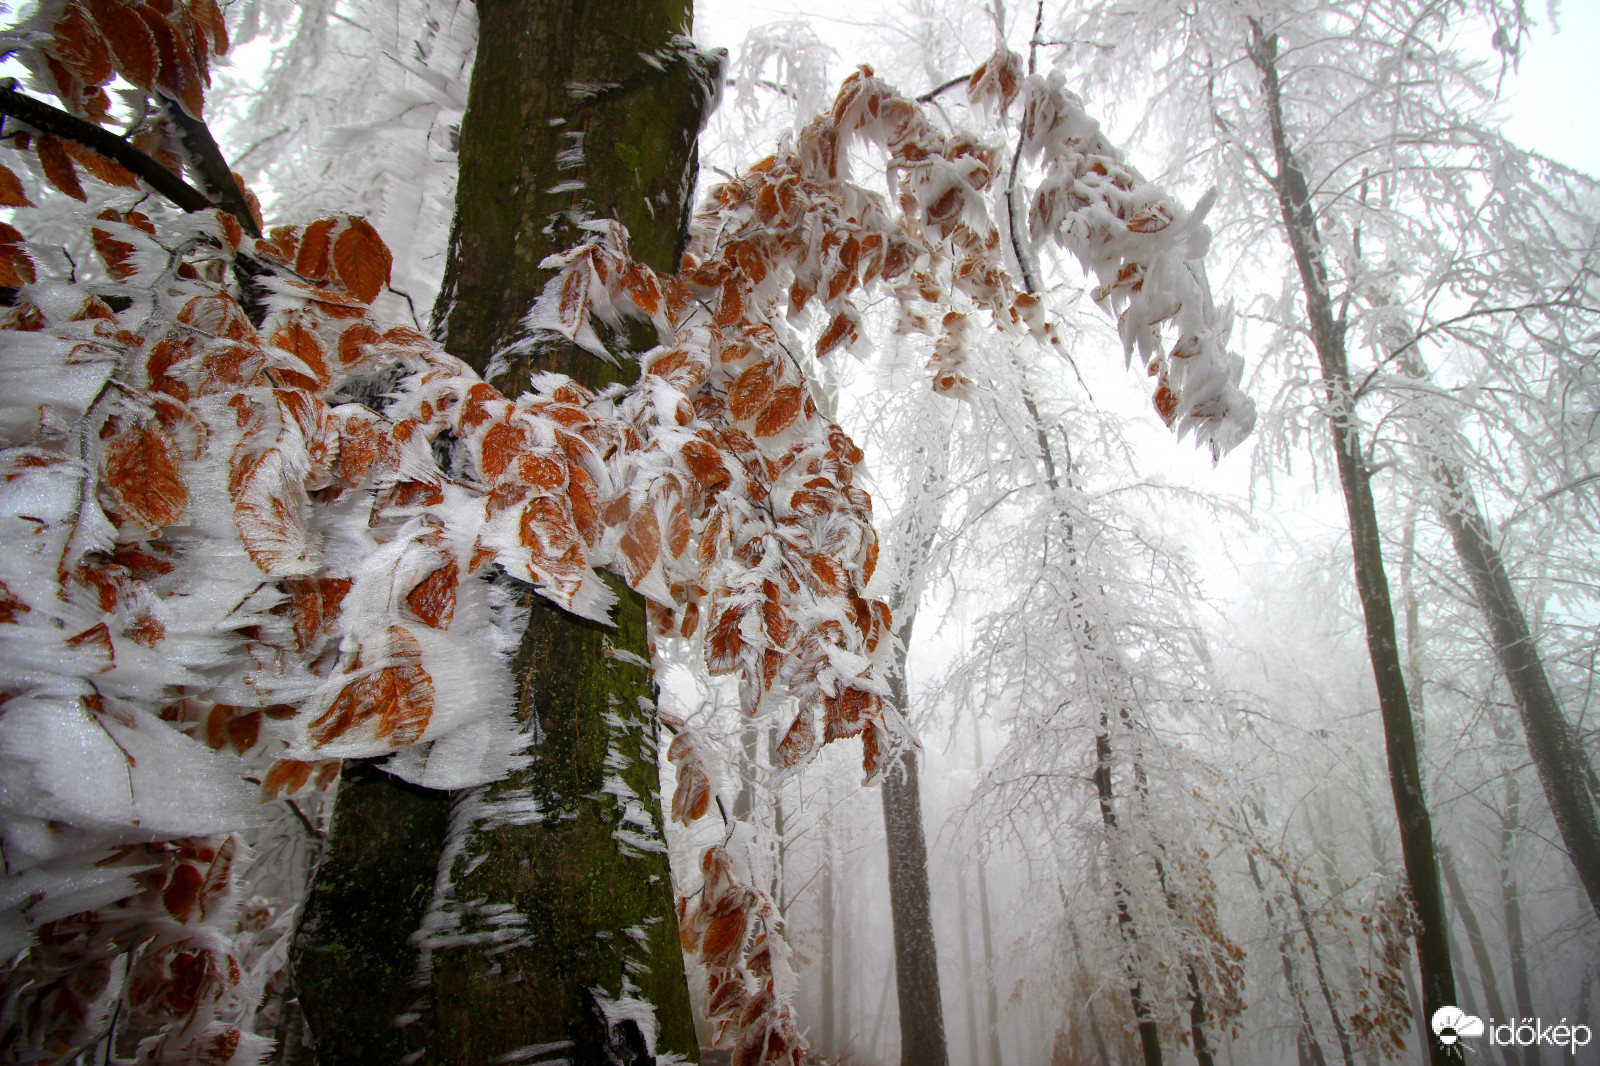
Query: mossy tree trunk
{"points": [[552, 885]]}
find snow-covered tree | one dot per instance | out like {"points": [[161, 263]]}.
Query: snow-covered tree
{"points": [[254, 515]]}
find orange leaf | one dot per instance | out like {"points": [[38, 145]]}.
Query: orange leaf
{"points": [[641, 544], [750, 390], [678, 529], [108, 171], [302, 343], [312, 260], [396, 701], [573, 304], [77, 43], [725, 642], [286, 776], [353, 343], [842, 330], [58, 166], [141, 472], [730, 306], [16, 268], [501, 446], [706, 465], [584, 499], [11, 192], [434, 598], [1166, 402], [362, 261], [132, 44], [799, 740], [779, 414], [724, 938]]}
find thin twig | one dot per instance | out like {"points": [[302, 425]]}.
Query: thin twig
{"points": [[929, 96]]}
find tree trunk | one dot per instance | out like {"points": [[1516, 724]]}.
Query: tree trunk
{"points": [[827, 1039], [1475, 938], [916, 960], [1400, 739], [1309, 1051], [1144, 1017], [986, 924], [974, 1056], [1101, 1054], [552, 885], [1511, 907], [916, 957], [1558, 757]]}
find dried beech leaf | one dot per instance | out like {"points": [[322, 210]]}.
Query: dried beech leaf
{"points": [[58, 167], [142, 474], [750, 390], [132, 44], [434, 598], [641, 544], [312, 261], [362, 261], [11, 191], [780, 412], [395, 702]]}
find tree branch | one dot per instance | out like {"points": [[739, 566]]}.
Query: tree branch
{"points": [[210, 166], [46, 119], [931, 94]]}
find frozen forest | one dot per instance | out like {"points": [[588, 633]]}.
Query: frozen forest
{"points": [[938, 532]]}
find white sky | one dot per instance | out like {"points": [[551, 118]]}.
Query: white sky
{"points": [[1553, 96]]}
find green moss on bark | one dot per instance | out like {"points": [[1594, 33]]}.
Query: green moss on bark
{"points": [[577, 110]]}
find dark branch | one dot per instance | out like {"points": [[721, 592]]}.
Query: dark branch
{"points": [[46, 119], [210, 167], [929, 96]]}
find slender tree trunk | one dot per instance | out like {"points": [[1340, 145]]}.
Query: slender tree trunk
{"points": [[1475, 937], [556, 925], [1558, 757], [974, 1056], [1328, 336], [916, 961], [1310, 1051], [916, 957], [1314, 945], [1094, 1022], [986, 925], [827, 1038], [1511, 906], [1144, 1017]]}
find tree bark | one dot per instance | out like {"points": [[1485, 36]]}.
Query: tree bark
{"points": [[986, 924], [1475, 938], [974, 1056], [1144, 1017], [828, 1038], [555, 880], [1400, 739], [1308, 1050], [1558, 758], [916, 957], [1511, 908], [916, 960]]}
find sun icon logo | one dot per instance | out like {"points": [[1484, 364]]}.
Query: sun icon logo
{"points": [[1450, 1024]]}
